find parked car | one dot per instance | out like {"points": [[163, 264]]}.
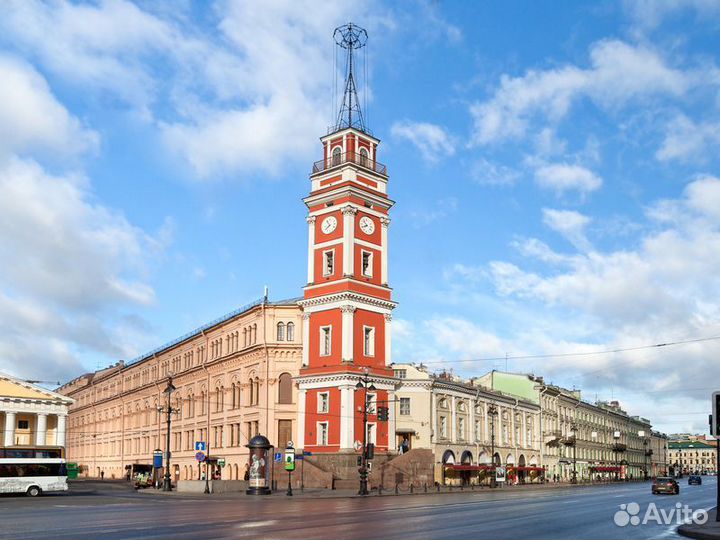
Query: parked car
{"points": [[665, 484], [694, 479]]}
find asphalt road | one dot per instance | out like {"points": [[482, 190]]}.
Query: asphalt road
{"points": [[113, 512]]}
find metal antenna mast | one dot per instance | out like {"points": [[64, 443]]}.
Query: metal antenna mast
{"points": [[350, 37]]}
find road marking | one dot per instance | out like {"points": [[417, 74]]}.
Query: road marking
{"points": [[256, 524]]}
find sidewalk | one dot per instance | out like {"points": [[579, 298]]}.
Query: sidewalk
{"points": [[708, 531]]}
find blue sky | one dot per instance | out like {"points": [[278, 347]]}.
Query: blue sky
{"points": [[555, 167]]}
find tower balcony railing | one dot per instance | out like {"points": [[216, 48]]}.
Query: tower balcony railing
{"points": [[349, 157]]}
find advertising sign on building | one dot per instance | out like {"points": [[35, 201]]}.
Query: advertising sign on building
{"points": [[500, 474]]}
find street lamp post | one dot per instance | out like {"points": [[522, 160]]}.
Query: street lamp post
{"points": [[642, 434], [492, 412], [168, 410], [616, 450], [573, 440], [364, 384]]}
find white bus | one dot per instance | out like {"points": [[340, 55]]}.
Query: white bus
{"points": [[39, 472]]}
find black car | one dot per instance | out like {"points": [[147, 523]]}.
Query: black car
{"points": [[695, 479], [665, 484]]}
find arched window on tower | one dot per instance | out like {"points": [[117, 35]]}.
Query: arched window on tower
{"points": [[364, 157], [290, 331], [336, 156], [285, 388], [281, 331]]}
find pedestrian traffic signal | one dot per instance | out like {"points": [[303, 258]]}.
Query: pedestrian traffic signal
{"points": [[383, 414], [370, 451]]}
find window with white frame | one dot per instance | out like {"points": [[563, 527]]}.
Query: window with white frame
{"points": [[371, 432], [369, 335], [281, 331], [329, 262], [364, 158], [478, 430], [367, 263], [404, 406], [322, 433], [325, 340], [461, 429], [371, 402], [336, 156], [400, 373], [290, 327], [443, 427], [323, 404]]}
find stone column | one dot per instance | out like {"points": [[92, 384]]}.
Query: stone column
{"points": [[300, 439], [347, 417], [348, 315], [388, 340], [41, 429], [61, 423], [311, 249], [384, 224], [306, 340], [10, 428], [348, 213]]}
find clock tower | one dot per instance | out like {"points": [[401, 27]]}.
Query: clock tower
{"points": [[347, 301]]}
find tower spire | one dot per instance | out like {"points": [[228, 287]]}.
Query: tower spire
{"points": [[350, 37]]}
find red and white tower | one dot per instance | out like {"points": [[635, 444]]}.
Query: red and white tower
{"points": [[347, 301]]}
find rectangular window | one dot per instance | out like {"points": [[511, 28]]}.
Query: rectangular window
{"points": [[443, 427], [400, 373], [23, 424], [367, 263], [325, 340], [369, 333], [328, 262], [371, 433], [404, 406], [371, 402], [324, 402], [461, 429], [322, 433]]}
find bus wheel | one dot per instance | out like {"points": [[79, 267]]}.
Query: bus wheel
{"points": [[33, 491]]}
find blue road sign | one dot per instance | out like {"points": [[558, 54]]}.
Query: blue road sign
{"points": [[200, 456], [200, 446], [299, 456], [305, 453], [278, 457]]}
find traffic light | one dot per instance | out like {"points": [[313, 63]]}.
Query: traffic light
{"points": [[370, 451], [383, 413]]}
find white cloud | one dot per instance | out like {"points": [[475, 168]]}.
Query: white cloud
{"points": [[32, 121], [569, 224], [433, 141], [649, 14], [618, 72], [686, 140], [439, 210], [488, 173], [69, 265], [562, 177]]}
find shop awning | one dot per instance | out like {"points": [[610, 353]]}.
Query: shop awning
{"points": [[458, 467], [405, 431], [605, 469], [525, 468]]}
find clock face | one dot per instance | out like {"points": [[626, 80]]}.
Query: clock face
{"points": [[367, 225], [329, 224]]}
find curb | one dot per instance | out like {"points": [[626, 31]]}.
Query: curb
{"points": [[708, 531]]}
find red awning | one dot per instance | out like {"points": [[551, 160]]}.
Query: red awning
{"points": [[525, 468], [605, 469]]}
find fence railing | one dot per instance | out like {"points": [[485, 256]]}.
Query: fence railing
{"points": [[349, 157]]}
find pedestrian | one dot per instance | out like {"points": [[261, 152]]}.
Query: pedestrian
{"points": [[247, 472], [102, 475]]}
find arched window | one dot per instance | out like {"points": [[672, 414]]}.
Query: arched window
{"points": [[245, 340], [281, 331], [232, 389], [336, 156], [254, 333], [285, 388], [364, 158], [290, 331]]}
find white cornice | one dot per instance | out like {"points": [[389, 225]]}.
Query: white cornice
{"points": [[331, 195], [362, 301]]}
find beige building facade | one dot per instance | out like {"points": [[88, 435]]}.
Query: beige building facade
{"points": [[465, 426], [31, 415], [233, 380]]}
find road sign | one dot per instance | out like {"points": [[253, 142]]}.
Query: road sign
{"points": [[290, 444], [200, 446], [300, 457], [289, 459], [357, 445], [221, 462], [278, 457], [306, 453], [200, 456]]}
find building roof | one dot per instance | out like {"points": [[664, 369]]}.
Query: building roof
{"points": [[694, 444], [14, 389]]}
